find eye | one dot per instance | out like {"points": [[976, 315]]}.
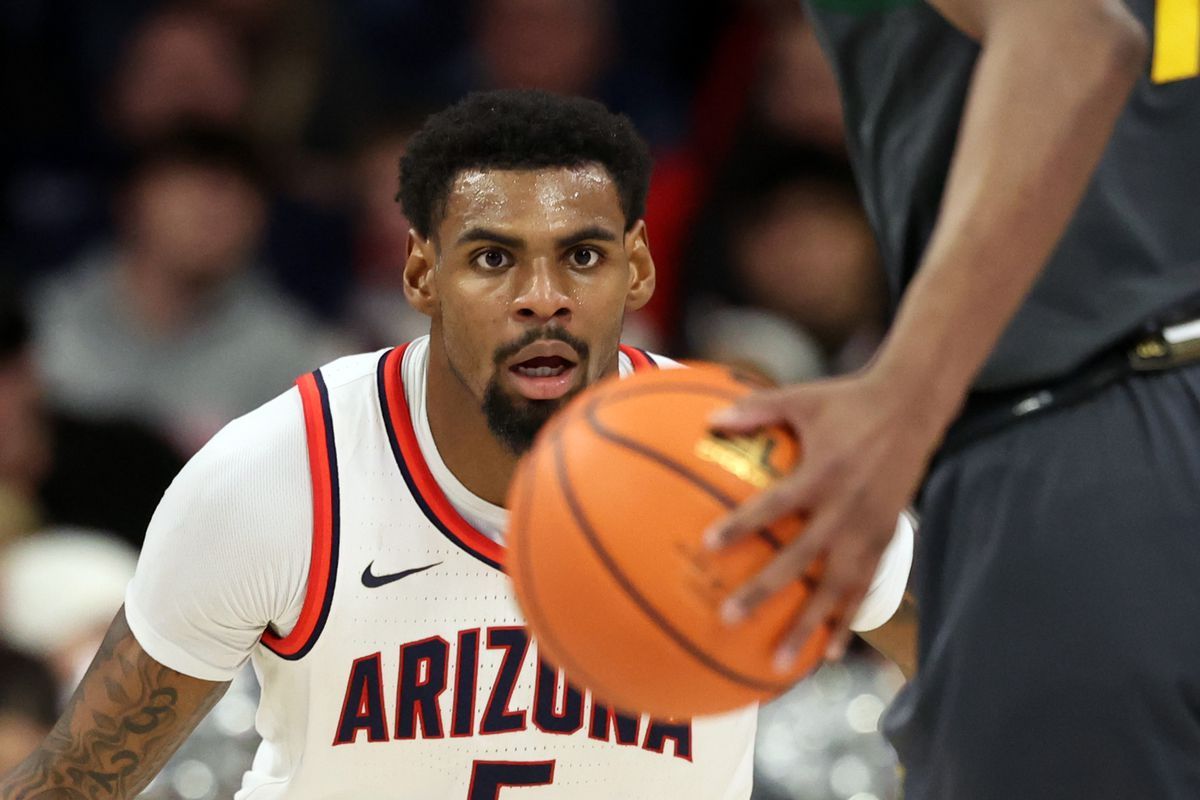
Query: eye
{"points": [[585, 257], [492, 259]]}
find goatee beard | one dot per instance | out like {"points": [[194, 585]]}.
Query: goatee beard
{"points": [[515, 422]]}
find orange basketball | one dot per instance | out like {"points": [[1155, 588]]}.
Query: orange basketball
{"points": [[607, 512]]}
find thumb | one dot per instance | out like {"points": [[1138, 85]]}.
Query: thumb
{"points": [[758, 410]]}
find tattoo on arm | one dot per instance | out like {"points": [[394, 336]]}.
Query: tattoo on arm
{"points": [[125, 720]]}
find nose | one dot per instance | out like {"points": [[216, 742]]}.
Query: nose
{"points": [[543, 294]]}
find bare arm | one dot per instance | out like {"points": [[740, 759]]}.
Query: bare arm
{"points": [[1049, 85], [896, 639], [125, 720], [1051, 80]]}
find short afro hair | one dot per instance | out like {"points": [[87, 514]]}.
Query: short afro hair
{"points": [[519, 129]]}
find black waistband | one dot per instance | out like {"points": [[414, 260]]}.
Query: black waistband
{"points": [[1151, 349]]}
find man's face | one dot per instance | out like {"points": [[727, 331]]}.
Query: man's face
{"points": [[527, 279], [180, 65], [202, 223], [811, 256], [559, 45]]}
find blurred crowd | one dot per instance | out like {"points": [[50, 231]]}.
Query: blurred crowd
{"points": [[198, 205]]}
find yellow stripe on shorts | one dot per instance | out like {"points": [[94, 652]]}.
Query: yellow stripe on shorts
{"points": [[1176, 40]]}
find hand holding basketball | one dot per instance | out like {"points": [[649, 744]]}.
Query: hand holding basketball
{"points": [[864, 457], [607, 513]]}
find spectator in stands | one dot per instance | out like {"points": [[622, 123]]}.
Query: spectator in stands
{"points": [[56, 468], [269, 70], [797, 97], [788, 237], [309, 92], [804, 250], [28, 705], [567, 47], [84, 82], [25, 438], [61, 589], [378, 311], [180, 64], [171, 323]]}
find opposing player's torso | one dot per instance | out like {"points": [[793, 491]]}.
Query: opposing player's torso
{"points": [[1133, 248], [410, 674]]}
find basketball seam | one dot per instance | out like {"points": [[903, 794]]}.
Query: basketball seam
{"points": [[598, 427], [605, 432], [633, 594], [532, 606]]}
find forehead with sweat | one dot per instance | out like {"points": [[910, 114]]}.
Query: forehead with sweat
{"points": [[547, 199]]}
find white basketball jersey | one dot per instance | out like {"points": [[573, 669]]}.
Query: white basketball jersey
{"points": [[410, 673]]}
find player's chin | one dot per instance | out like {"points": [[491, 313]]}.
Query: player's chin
{"points": [[515, 420], [529, 385]]}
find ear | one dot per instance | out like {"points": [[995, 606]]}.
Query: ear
{"points": [[641, 267], [420, 286]]}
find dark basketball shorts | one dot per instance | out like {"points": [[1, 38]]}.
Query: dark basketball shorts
{"points": [[1058, 582]]}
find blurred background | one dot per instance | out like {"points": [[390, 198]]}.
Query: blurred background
{"points": [[196, 206]]}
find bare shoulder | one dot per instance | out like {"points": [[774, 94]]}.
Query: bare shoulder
{"points": [[127, 717]]}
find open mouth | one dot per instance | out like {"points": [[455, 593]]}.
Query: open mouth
{"points": [[544, 375], [543, 367]]}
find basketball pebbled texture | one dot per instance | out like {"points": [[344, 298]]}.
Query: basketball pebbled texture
{"points": [[604, 548]]}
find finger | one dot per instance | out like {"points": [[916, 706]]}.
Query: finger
{"points": [[786, 496], [839, 631], [839, 592], [791, 564], [838, 641], [821, 609], [834, 604], [750, 413]]}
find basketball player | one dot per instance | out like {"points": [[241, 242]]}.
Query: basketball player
{"points": [[347, 536], [1031, 169]]}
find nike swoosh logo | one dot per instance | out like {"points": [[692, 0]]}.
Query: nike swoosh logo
{"points": [[372, 581]]}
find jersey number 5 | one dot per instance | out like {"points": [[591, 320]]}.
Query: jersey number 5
{"points": [[489, 777], [1176, 40]]}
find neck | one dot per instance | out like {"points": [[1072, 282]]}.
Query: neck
{"points": [[480, 462]]}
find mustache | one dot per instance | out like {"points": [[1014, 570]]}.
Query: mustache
{"points": [[507, 351]]}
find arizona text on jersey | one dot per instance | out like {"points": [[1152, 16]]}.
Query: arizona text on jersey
{"points": [[410, 667]]}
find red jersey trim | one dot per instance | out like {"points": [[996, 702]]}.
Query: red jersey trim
{"points": [[322, 568], [425, 490], [429, 496], [639, 358]]}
